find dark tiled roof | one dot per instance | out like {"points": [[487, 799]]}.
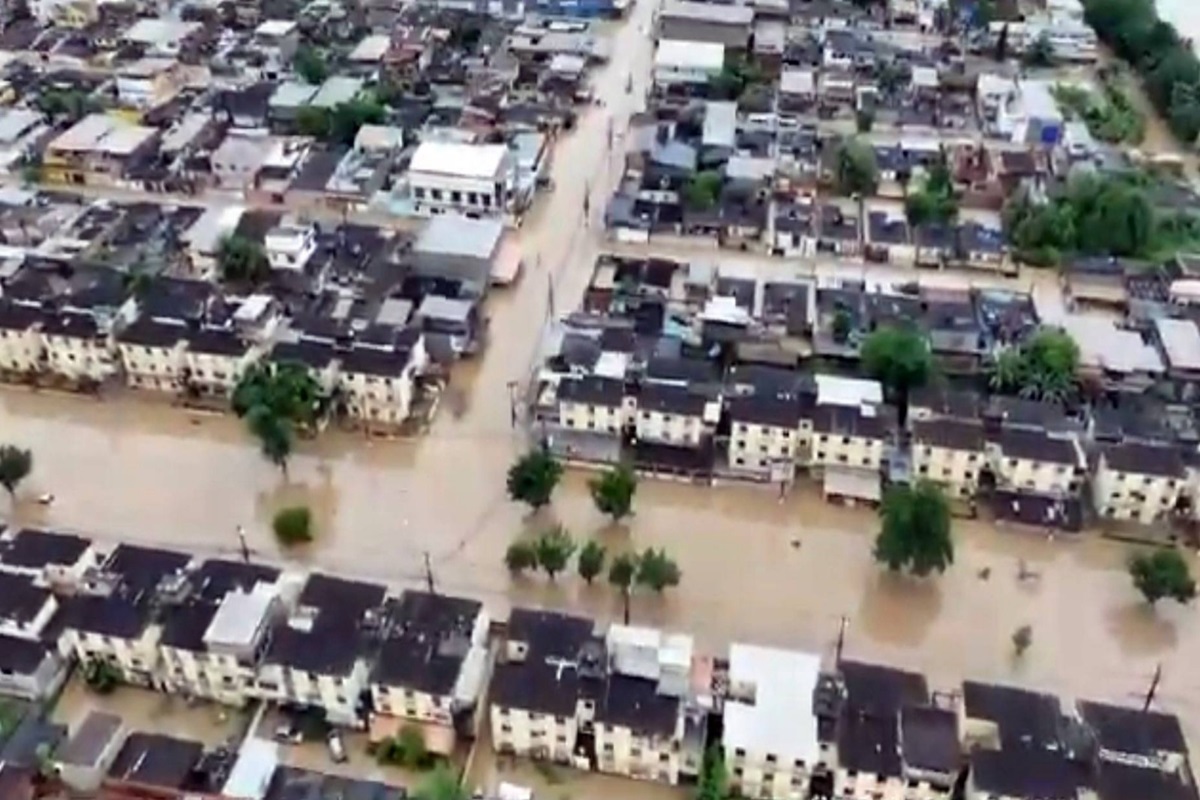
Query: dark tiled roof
{"points": [[184, 626], [34, 549], [217, 342], [1126, 782], [117, 616], [20, 600], [592, 390], [847, 421], [670, 400], [216, 578], [155, 760], [1022, 772], [292, 783], [428, 639], [1133, 731], [1145, 459], [146, 332], [953, 434], [880, 690], [1036, 445], [79, 326], [929, 739], [1026, 719], [635, 703], [765, 410], [21, 656], [17, 317], [143, 568], [372, 361], [869, 744], [335, 640], [310, 354], [532, 683]]}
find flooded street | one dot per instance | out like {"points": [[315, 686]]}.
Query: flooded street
{"points": [[144, 472]]}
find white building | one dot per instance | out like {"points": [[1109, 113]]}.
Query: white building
{"points": [[290, 245], [1138, 482], [770, 736], [474, 179], [21, 346], [76, 349], [379, 383], [151, 353], [685, 63]]}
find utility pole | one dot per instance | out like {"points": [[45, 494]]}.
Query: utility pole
{"points": [[1153, 687], [512, 404], [245, 548], [550, 296], [841, 642], [429, 575]]}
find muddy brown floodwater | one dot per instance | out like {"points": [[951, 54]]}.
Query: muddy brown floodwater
{"points": [[753, 569]]}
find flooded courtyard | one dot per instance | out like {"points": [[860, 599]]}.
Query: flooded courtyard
{"points": [[754, 569]]}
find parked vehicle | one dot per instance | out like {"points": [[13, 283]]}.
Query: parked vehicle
{"points": [[337, 748]]}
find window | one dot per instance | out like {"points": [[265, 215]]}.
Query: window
{"points": [[664, 758], [770, 758], [455, 196], [436, 194], [743, 428], [419, 192]]}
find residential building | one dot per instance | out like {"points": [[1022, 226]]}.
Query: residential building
{"points": [[687, 65], [1138, 481], [673, 415], [290, 245], [1036, 461], [278, 40], [149, 82], [112, 617], [461, 249], [30, 668], [83, 760], [845, 436], [770, 729], [765, 440], [21, 348], [318, 658], [727, 25], [593, 403], [431, 667], [318, 358], [379, 380], [214, 633], [97, 150], [151, 352], [155, 766], [25, 606], [51, 558], [77, 349], [214, 361], [472, 179], [949, 452]]}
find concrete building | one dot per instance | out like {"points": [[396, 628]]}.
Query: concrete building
{"points": [[949, 452], [214, 361], [151, 352], [97, 151], [77, 349], [1139, 482], [770, 730], [595, 404], [727, 25], [674, 416], [474, 179], [149, 82], [688, 65], [83, 760], [378, 380], [21, 347], [459, 248], [1036, 461], [765, 437]]}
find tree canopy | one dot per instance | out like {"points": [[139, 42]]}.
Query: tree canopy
{"points": [[1163, 574], [900, 359], [293, 525], [591, 560], [656, 570], [275, 400], [915, 533], [613, 491], [714, 777], [15, 465], [1041, 368], [310, 65], [553, 550], [242, 260], [520, 556], [702, 190], [441, 784], [531, 480], [340, 124], [1166, 62], [856, 171]]}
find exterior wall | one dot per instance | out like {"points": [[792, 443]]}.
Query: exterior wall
{"points": [[847, 451], [620, 752], [386, 400], [438, 192], [77, 358], [213, 676], [157, 368], [20, 350], [147, 91], [42, 682], [137, 659], [30, 629], [215, 374], [753, 775], [667, 75], [290, 251], [588, 417], [957, 470], [399, 701], [527, 733], [673, 429], [338, 696], [755, 448], [1040, 476], [866, 786], [1131, 496]]}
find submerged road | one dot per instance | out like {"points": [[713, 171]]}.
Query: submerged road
{"points": [[753, 568]]}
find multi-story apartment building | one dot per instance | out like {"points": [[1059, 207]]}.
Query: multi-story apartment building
{"points": [[474, 179], [378, 382], [112, 616], [1138, 481], [151, 352], [431, 667], [21, 349], [30, 667], [617, 704], [765, 436], [1036, 461], [593, 404], [215, 360], [770, 730], [52, 559], [97, 150], [77, 349], [674, 416], [318, 658], [215, 629], [949, 452]]}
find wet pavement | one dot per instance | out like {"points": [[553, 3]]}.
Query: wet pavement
{"points": [[136, 471]]}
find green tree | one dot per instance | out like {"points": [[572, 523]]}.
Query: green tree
{"points": [[101, 676], [703, 190], [1007, 372], [274, 434], [310, 65], [15, 465], [591, 561], [1022, 638], [856, 174], [714, 777], [520, 556], [621, 573], [293, 525], [1040, 53], [656, 570], [406, 749], [531, 480], [915, 532], [242, 260], [314, 121], [553, 550], [613, 491], [841, 325], [348, 117], [919, 211], [1162, 574], [864, 120], [900, 359], [441, 784], [1043, 367]]}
